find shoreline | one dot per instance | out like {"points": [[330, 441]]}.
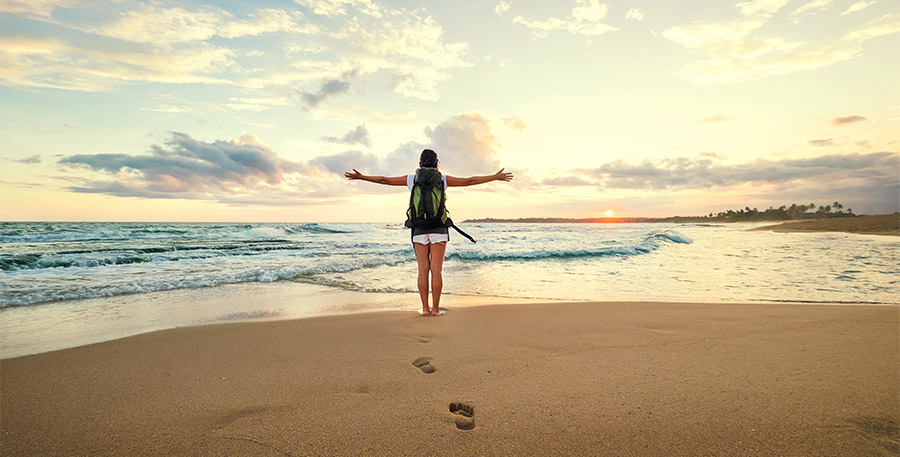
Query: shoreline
{"points": [[331, 303], [588, 378], [37, 329], [882, 225]]}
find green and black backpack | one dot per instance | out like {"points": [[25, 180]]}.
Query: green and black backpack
{"points": [[427, 202]]}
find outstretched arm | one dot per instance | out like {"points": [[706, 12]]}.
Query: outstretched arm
{"points": [[453, 181], [392, 181]]}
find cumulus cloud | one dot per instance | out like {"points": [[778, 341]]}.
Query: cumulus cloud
{"points": [[465, 146], [735, 50], [513, 123], [635, 14], [879, 169], [585, 19], [847, 120], [184, 167], [359, 135]]}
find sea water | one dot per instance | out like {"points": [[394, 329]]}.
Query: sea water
{"points": [[54, 274]]}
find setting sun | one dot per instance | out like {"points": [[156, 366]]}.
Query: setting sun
{"points": [[609, 213]]}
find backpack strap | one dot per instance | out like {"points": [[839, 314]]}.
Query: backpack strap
{"points": [[463, 233]]}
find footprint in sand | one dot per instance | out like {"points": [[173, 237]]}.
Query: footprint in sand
{"points": [[465, 415], [424, 364]]}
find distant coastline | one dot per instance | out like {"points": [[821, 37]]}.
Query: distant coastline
{"points": [[591, 220]]}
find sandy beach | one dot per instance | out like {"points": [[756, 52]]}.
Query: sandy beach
{"points": [[530, 379], [882, 224]]}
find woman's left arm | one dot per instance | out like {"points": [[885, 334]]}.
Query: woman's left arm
{"points": [[453, 181]]}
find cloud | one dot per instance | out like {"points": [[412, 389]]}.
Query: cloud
{"points": [[808, 8], [168, 109], [28, 160], [327, 89], [359, 135], [332, 8], [33, 8], [858, 6], [513, 123], [736, 51], [847, 120], [719, 117], [883, 26], [162, 26], [689, 173], [763, 8], [501, 7], [258, 103], [408, 46], [268, 20], [464, 143], [635, 14], [585, 19], [184, 167], [54, 63], [820, 143], [167, 42], [567, 181]]}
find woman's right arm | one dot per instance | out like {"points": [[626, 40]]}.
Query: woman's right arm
{"points": [[388, 181]]}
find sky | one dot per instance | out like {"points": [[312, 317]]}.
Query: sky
{"points": [[127, 110]]}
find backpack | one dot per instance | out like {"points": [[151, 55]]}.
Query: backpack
{"points": [[427, 208]]}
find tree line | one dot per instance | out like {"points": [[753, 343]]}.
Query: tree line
{"points": [[783, 213]]}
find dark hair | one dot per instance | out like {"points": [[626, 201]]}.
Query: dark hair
{"points": [[428, 159]]}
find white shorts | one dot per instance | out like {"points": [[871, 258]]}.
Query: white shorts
{"points": [[427, 238]]}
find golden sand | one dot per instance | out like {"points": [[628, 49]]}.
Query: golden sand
{"points": [[882, 224], [556, 379]]}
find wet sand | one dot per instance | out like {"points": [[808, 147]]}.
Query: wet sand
{"points": [[882, 224], [529, 379]]}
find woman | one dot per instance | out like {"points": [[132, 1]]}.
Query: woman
{"points": [[430, 244]]}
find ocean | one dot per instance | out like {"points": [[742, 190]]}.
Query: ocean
{"points": [[64, 284]]}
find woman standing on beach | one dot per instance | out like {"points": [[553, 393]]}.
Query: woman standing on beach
{"points": [[430, 244]]}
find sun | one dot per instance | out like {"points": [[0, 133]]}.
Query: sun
{"points": [[609, 213]]}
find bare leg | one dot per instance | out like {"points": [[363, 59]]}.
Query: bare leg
{"points": [[437, 279], [422, 283]]}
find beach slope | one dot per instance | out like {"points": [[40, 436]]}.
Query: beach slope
{"points": [[882, 224], [556, 379]]}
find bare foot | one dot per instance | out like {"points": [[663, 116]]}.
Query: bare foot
{"points": [[436, 312], [426, 312]]}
